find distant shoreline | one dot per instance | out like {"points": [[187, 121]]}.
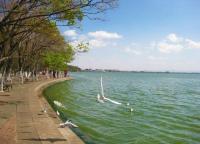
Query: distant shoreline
{"points": [[99, 70]]}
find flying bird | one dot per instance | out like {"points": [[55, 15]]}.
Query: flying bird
{"points": [[68, 123]]}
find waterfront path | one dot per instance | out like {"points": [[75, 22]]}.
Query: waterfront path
{"points": [[23, 122]]}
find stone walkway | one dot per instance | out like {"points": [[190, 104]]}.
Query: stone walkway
{"points": [[23, 122]]}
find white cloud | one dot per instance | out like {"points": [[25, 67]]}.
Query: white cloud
{"points": [[173, 38], [193, 44], [133, 48], [70, 33], [133, 44], [98, 43], [104, 35], [97, 39], [174, 43], [100, 39], [132, 51], [94, 43], [74, 41], [165, 47], [151, 57]]}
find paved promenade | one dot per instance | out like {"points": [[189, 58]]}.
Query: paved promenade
{"points": [[23, 122]]}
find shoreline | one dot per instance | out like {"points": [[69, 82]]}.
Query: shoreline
{"points": [[71, 136], [63, 117], [22, 120]]}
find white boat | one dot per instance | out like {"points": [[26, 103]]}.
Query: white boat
{"points": [[101, 98]]}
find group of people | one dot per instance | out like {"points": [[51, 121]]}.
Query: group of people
{"points": [[54, 73]]}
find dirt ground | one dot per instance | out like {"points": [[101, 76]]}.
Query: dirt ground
{"points": [[23, 122], [7, 118], [8, 131]]}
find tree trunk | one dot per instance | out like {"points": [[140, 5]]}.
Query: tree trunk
{"points": [[22, 76], [47, 73], [33, 75], [2, 80]]}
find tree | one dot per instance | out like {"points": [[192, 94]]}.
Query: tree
{"points": [[58, 60], [73, 68], [29, 38]]}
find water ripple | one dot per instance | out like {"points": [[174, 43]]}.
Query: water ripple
{"points": [[166, 107]]}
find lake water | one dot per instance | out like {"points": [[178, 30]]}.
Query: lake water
{"points": [[166, 107]]}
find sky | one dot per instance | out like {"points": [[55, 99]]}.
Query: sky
{"points": [[141, 35]]}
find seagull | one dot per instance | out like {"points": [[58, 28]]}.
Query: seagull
{"points": [[127, 104], [62, 125], [44, 110], [131, 109], [57, 113], [68, 123], [100, 98]]}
